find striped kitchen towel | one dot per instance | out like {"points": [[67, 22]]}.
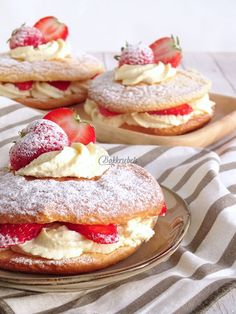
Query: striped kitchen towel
{"points": [[203, 264]]}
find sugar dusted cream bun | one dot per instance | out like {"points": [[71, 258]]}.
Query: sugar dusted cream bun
{"points": [[62, 211], [39, 71], [149, 94]]}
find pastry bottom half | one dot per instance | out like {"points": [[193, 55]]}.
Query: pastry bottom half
{"points": [[52, 103], [88, 262], [191, 125]]}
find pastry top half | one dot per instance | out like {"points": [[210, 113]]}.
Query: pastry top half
{"points": [[123, 192], [79, 68], [66, 207], [185, 86]]}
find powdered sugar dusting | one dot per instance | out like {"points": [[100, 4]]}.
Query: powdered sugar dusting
{"points": [[29, 261], [7, 240], [122, 193], [40, 136], [68, 69], [26, 36], [136, 54], [183, 87]]}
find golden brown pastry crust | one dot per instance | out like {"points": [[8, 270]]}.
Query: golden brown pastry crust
{"points": [[51, 103], [184, 87], [193, 124], [81, 68], [124, 192], [89, 262]]}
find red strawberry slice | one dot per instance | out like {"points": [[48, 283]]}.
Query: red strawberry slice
{"points": [[167, 50], [24, 85], [76, 129], [13, 234], [52, 28], [107, 113], [163, 210], [62, 85], [104, 234], [179, 110]]}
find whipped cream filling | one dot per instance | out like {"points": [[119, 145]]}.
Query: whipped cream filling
{"points": [[149, 73], [58, 242], [201, 106], [11, 91], [56, 49], [77, 160], [41, 90]]}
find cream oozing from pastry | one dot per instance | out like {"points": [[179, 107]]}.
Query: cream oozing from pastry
{"points": [[77, 160], [129, 74], [201, 106], [58, 242], [56, 49], [11, 91], [41, 90]]}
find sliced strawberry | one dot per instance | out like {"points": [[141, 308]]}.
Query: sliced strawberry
{"points": [[76, 129], [62, 85], [24, 85], [107, 113], [167, 50], [179, 110], [52, 28], [104, 234], [13, 234], [163, 210]]}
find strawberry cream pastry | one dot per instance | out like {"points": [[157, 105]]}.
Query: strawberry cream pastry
{"points": [[147, 93], [39, 71], [64, 212]]}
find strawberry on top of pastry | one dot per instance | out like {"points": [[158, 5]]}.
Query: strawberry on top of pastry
{"points": [[147, 92], [63, 210], [39, 70]]}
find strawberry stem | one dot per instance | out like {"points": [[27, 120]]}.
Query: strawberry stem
{"points": [[77, 117], [22, 133], [117, 57], [79, 120], [176, 42]]}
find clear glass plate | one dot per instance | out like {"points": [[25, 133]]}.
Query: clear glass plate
{"points": [[170, 230]]}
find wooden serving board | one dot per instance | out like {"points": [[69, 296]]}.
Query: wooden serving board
{"points": [[223, 123]]}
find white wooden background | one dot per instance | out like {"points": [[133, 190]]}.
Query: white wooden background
{"points": [[219, 67], [101, 25]]}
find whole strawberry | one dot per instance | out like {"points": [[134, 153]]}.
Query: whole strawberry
{"points": [[40, 136], [135, 54], [26, 36]]}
